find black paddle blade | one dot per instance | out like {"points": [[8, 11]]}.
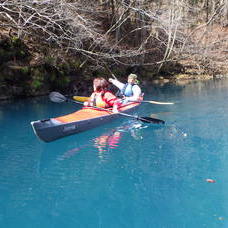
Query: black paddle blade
{"points": [[147, 119], [57, 97]]}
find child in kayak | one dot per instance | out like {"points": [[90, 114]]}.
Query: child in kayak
{"points": [[102, 97], [129, 91]]}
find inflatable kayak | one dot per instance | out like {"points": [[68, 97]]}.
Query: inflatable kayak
{"points": [[86, 118]]}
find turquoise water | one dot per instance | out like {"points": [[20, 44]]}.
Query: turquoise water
{"points": [[122, 174]]}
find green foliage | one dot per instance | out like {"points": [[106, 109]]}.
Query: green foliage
{"points": [[16, 41], [22, 53], [193, 2], [13, 49], [25, 70], [76, 63], [36, 84], [37, 79], [52, 76], [49, 60]]}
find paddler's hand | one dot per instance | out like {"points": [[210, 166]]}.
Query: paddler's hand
{"points": [[111, 80], [124, 100], [86, 103], [115, 109]]}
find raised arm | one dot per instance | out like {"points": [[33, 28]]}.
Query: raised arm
{"points": [[116, 83]]}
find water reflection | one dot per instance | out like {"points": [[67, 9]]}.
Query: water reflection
{"points": [[108, 140], [112, 139]]}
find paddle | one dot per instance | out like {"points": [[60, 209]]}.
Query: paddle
{"points": [[59, 98], [113, 75], [79, 98], [158, 102]]}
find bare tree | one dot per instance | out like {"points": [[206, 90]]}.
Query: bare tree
{"points": [[121, 31]]}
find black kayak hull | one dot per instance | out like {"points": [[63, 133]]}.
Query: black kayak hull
{"points": [[52, 129]]}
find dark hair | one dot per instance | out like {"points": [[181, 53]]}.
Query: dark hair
{"points": [[100, 84]]}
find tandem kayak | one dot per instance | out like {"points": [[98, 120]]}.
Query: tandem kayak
{"points": [[86, 118]]}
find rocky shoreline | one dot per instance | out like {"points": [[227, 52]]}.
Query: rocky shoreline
{"points": [[14, 92]]}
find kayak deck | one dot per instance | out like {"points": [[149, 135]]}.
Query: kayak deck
{"points": [[90, 113]]}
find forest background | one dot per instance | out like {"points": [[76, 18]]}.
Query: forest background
{"points": [[62, 45]]}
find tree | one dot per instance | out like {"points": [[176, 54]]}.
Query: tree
{"points": [[128, 32]]}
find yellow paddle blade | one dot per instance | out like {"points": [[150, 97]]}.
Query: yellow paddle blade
{"points": [[81, 99]]}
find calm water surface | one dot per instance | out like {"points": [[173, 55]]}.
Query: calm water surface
{"points": [[122, 174]]}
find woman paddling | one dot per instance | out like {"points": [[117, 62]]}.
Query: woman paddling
{"points": [[129, 91], [102, 97]]}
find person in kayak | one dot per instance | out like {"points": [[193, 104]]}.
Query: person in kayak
{"points": [[102, 97], [129, 91]]}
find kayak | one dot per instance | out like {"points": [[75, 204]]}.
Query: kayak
{"points": [[84, 119]]}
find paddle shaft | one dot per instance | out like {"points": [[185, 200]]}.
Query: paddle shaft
{"points": [[104, 109], [113, 75], [157, 102]]}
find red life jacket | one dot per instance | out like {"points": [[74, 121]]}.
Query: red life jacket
{"points": [[104, 99]]}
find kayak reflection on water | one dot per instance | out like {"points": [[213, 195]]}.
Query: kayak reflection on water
{"points": [[106, 142], [109, 140], [112, 140]]}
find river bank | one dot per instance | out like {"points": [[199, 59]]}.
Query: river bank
{"points": [[63, 45], [28, 69]]}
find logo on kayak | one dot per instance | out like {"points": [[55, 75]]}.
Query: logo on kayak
{"points": [[69, 128]]}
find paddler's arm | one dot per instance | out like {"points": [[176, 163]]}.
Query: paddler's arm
{"points": [[112, 101], [116, 83], [90, 100], [116, 105]]}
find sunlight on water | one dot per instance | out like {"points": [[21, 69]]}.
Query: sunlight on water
{"points": [[122, 174]]}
